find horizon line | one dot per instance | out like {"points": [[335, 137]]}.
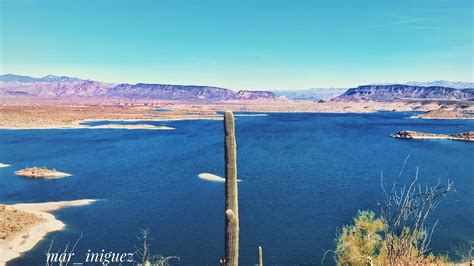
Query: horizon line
{"points": [[222, 87]]}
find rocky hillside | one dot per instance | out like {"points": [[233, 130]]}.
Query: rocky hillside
{"points": [[55, 87], [404, 92]]}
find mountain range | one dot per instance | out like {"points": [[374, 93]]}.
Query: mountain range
{"points": [[62, 87], [317, 94], [399, 92]]}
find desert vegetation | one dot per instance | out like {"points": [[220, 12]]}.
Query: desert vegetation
{"points": [[400, 234], [231, 244], [145, 257], [231, 248]]}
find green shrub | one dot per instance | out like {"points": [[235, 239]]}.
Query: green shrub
{"points": [[361, 242], [400, 236]]}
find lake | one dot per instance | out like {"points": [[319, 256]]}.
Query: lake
{"points": [[303, 177]]}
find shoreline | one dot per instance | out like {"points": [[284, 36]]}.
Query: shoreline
{"points": [[78, 124], [24, 240], [73, 116], [441, 118]]}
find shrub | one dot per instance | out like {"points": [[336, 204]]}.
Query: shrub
{"points": [[360, 243], [400, 235]]}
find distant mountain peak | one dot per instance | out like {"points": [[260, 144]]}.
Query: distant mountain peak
{"points": [[53, 78], [48, 78], [13, 77]]}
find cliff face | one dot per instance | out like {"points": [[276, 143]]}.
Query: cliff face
{"points": [[71, 88], [400, 92]]}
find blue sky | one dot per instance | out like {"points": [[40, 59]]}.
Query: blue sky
{"points": [[247, 44]]}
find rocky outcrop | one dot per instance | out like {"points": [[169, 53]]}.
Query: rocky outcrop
{"points": [[466, 136], [404, 92], [43, 172]]}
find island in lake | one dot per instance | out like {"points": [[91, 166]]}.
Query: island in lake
{"points": [[466, 136], [41, 172]]}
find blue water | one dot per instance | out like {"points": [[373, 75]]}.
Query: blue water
{"points": [[304, 176]]}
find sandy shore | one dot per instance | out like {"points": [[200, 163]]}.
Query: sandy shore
{"points": [[23, 225], [130, 126], [213, 177], [73, 115]]}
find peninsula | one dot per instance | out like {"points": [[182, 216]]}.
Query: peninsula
{"points": [[22, 226], [445, 114]]}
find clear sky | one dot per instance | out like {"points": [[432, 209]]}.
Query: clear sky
{"points": [[246, 44]]}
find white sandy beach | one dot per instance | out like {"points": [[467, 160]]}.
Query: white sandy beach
{"points": [[212, 177], [23, 241], [79, 125], [131, 126]]}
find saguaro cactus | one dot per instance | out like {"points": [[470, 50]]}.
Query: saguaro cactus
{"points": [[260, 256], [231, 256]]}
